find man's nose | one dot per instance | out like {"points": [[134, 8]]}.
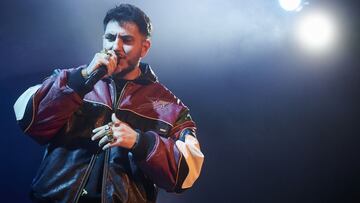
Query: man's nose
{"points": [[118, 46]]}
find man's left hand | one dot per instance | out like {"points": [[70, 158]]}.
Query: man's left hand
{"points": [[116, 133]]}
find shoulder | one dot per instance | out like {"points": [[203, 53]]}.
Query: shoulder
{"points": [[152, 100]]}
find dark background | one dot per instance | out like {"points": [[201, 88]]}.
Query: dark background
{"points": [[276, 123]]}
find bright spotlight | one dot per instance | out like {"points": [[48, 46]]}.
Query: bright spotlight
{"points": [[290, 5], [316, 31]]}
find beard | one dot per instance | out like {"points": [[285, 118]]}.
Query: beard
{"points": [[131, 65]]}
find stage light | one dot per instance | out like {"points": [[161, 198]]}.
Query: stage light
{"points": [[290, 5], [316, 31]]}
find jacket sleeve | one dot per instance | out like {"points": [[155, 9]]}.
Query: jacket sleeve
{"points": [[42, 110], [173, 163]]}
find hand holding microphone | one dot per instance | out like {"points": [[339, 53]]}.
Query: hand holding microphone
{"points": [[103, 64]]}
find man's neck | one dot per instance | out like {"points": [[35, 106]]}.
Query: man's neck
{"points": [[133, 74]]}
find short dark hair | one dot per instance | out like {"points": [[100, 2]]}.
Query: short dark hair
{"points": [[129, 13]]}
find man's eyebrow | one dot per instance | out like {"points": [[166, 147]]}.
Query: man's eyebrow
{"points": [[121, 35], [109, 34], [127, 36]]}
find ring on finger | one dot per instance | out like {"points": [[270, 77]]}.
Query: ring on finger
{"points": [[105, 51], [109, 125], [109, 133]]}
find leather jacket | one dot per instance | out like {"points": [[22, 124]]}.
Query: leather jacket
{"points": [[57, 115]]}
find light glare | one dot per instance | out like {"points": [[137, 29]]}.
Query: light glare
{"points": [[316, 31], [290, 5]]}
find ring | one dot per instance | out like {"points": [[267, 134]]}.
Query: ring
{"points": [[109, 133], [105, 51], [110, 136]]}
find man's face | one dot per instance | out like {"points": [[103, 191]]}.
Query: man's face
{"points": [[127, 42]]}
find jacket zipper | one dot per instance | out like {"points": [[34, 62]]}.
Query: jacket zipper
{"points": [[107, 152], [85, 177], [105, 172], [120, 96]]}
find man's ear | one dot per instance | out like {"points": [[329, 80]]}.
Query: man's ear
{"points": [[146, 44]]}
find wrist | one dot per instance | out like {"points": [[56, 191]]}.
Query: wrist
{"points": [[146, 143], [85, 73], [77, 81], [136, 139]]}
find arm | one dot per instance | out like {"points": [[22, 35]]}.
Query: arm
{"points": [[173, 163], [42, 110]]}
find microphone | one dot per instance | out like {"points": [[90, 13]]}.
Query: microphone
{"points": [[96, 76], [100, 72]]}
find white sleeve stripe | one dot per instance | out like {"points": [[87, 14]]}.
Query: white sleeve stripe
{"points": [[194, 158], [21, 102]]}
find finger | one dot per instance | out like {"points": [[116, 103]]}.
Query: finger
{"points": [[99, 134], [112, 144], [114, 118], [112, 66], [102, 61], [111, 53], [102, 58], [108, 145], [104, 141], [98, 129], [114, 58], [105, 56], [105, 53]]}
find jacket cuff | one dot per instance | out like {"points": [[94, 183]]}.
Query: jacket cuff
{"points": [[144, 146], [77, 82]]}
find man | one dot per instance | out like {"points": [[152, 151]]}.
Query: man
{"points": [[114, 136]]}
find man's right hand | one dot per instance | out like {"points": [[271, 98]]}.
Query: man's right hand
{"points": [[107, 58]]}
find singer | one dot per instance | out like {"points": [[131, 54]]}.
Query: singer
{"points": [[112, 131]]}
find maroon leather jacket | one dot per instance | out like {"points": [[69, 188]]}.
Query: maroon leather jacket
{"points": [[167, 154]]}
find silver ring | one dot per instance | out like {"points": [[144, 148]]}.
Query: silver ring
{"points": [[109, 134], [105, 51]]}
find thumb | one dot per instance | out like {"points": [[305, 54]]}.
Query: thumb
{"points": [[114, 119]]}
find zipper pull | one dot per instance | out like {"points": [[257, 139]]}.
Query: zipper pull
{"points": [[84, 192]]}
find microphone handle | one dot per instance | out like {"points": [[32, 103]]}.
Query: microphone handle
{"points": [[96, 76]]}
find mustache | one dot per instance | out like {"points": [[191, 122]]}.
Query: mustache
{"points": [[120, 54]]}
